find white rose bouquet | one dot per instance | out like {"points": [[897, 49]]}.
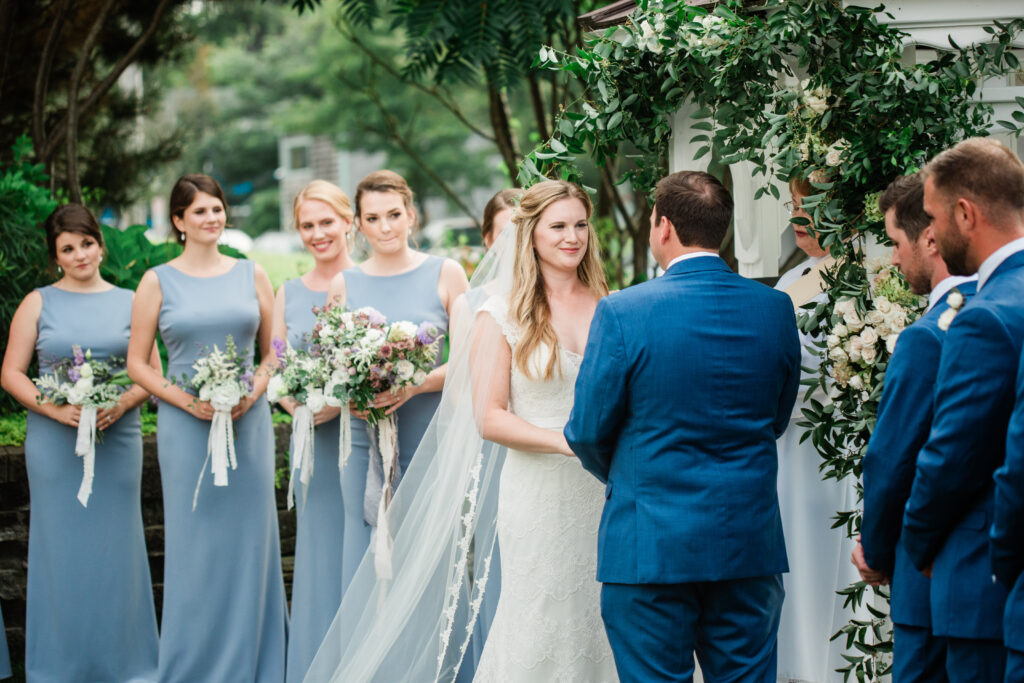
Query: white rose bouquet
{"points": [[860, 340], [302, 376], [368, 356], [92, 384], [223, 378]]}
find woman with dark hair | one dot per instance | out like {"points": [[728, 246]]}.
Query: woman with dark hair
{"points": [[498, 214], [90, 614], [403, 284], [224, 604]]}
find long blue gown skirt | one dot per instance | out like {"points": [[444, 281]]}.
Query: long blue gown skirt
{"points": [[90, 614], [408, 296], [224, 615], [5, 657], [316, 584]]}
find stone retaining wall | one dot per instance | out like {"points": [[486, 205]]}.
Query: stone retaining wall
{"points": [[14, 516]]}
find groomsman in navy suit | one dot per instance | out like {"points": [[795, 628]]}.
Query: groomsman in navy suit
{"points": [[974, 194], [904, 420], [1008, 536], [686, 383]]}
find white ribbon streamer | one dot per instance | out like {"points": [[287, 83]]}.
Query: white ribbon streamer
{"points": [[344, 439], [220, 450], [302, 452], [85, 447], [387, 444]]}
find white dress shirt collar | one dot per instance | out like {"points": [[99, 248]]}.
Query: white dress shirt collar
{"points": [[989, 265], [940, 290], [692, 254]]}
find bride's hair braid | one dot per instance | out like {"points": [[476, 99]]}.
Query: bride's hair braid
{"points": [[528, 301]]}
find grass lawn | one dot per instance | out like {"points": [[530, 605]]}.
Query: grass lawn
{"points": [[281, 267]]}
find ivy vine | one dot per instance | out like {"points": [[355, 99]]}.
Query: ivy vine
{"points": [[808, 88]]}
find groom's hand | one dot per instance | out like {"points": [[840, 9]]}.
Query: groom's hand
{"points": [[867, 574]]}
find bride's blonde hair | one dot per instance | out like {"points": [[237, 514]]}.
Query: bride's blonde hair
{"points": [[528, 301]]}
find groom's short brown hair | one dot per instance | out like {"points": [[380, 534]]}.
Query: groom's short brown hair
{"points": [[698, 206]]}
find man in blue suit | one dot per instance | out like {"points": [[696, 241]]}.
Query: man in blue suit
{"points": [[974, 194], [904, 420], [1008, 536], [686, 383]]}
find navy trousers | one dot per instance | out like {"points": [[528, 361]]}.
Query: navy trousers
{"points": [[732, 626], [1014, 666], [976, 661], [918, 656]]}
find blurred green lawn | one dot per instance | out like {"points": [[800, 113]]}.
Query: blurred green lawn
{"points": [[281, 267]]}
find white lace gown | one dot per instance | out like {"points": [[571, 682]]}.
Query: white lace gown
{"points": [[548, 623]]}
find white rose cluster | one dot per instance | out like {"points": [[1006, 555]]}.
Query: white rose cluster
{"points": [[815, 99], [856, 341]]}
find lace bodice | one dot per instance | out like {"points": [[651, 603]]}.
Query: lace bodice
{"points": [[543, 402]]}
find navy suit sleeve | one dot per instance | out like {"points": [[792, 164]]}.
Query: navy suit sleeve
{"points": [[791, 384], [1008, 527], [600, 403], [904, 421], [954, 468]]}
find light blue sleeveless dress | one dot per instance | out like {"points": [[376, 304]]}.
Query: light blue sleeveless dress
{"points": [[316, 583], [408, 296], [90, 614], [5, 657], [224, 615]]}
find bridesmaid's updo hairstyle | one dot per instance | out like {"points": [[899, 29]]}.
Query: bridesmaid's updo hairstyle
{"points": [[506, 199], [73, 218], [328, 193], [384, 181], [184, 193], [528, 301]]}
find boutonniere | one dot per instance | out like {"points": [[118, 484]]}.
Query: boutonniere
{"points": [[955, 300]]}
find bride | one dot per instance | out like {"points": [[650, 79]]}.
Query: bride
{"points": [[511, 379]]}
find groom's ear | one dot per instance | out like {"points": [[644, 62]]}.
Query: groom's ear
{"points": [[664, 230]]}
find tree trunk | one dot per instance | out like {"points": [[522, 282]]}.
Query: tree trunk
{"points": [[539, 115], [640, 230], [74, 184], [39, 136], [504, 136]]}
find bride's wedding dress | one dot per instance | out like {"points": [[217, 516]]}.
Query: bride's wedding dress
{"points": [[548, 622]]}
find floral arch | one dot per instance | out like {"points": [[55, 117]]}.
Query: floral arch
{"points": [[783, 88]]}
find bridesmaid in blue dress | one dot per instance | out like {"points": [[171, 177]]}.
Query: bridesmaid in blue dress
{"points": [[5, 657], [403, 284], [323, 218], [90, 614], [224, 614]]}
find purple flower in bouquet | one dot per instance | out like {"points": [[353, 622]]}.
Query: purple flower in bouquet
{"points": [[375, 316], [73, 374], [427, 333], [79, 357], [248, 380], [280, 347]]}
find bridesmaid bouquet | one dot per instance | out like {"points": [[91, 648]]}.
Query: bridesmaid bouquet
{"points": [[302, 376], [222, 378], [95, 385], [367, 357]]}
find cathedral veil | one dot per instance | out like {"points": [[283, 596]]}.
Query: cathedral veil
{"points": [[416, 626]]}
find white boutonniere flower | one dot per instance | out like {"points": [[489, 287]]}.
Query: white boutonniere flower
{"points": [[956, 302]]}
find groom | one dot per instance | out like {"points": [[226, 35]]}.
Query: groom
{"points": [[686, 383]]}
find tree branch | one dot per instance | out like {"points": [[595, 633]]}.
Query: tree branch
{"points": [[74, 186], [43, 82], [506, 139], [433, 91], [397, 137], [104, 86], [537, 100]]}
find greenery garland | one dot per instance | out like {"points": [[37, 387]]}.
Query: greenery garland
{"points": [[808, 88]]}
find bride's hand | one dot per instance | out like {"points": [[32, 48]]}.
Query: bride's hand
{"points": [[563, 447]]}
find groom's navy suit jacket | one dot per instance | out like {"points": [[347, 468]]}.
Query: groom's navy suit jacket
{"points": [[904, 421], [949, 512], [1008, 528], [686, 383]]}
